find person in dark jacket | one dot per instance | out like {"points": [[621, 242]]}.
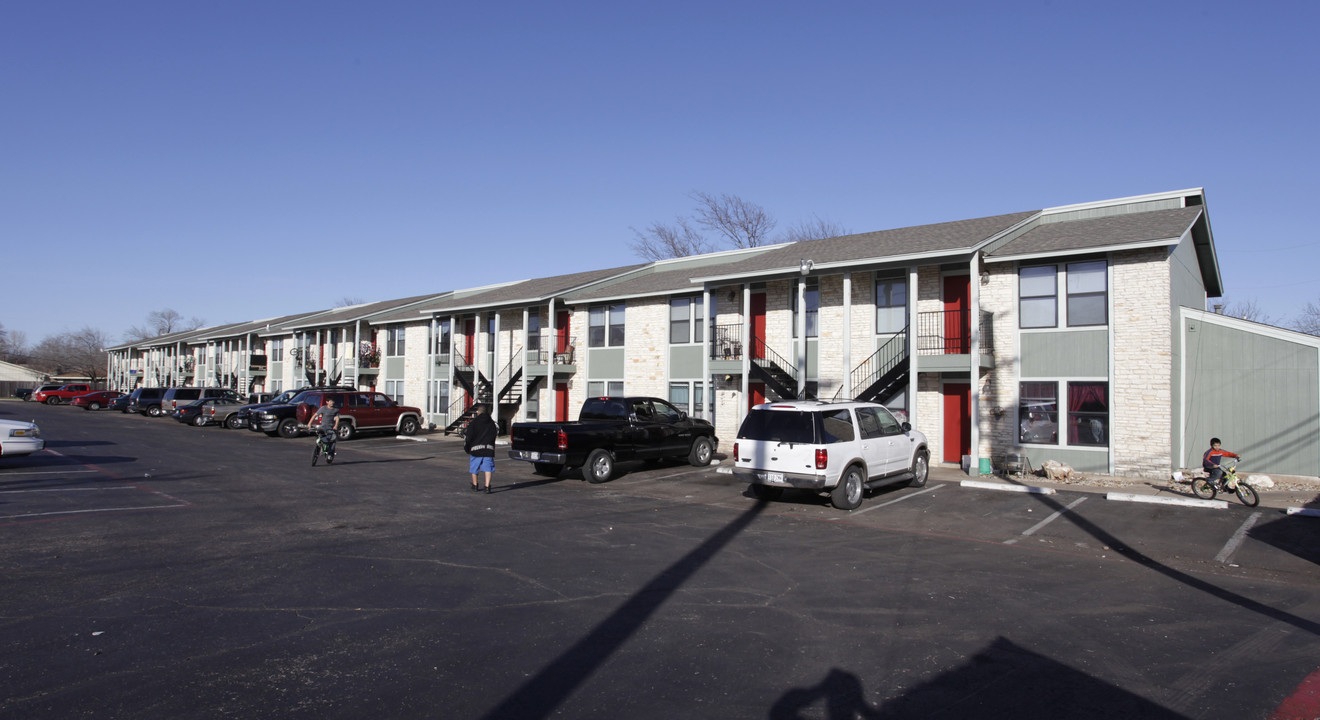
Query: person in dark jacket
{"points": [[1210, 460], [479, 444]]}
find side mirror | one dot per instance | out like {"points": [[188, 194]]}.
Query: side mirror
{"points": [[907, 427]]}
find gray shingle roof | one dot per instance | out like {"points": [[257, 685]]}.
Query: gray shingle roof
{"points": [[1102, 232], [518, 293]]}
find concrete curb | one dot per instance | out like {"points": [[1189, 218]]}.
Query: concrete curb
{"points": [[408, 437], [1308, 512], [1159, 500], [983, 485]]}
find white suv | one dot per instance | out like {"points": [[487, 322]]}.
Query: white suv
{"points": [[843, 447]]}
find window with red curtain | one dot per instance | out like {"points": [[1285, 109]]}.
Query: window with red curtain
{"points": [[1088, 413]]}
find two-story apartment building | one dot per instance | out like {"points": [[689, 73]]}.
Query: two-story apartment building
{"points": [[1058, 334]]}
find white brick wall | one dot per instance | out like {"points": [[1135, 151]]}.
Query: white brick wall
{"points": [[1140, 394]]}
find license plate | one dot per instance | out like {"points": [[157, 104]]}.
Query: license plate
{"points": [[533, 456], [773, 477]]}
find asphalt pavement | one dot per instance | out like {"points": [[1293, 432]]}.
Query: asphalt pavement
{"points": [[155, 570]]}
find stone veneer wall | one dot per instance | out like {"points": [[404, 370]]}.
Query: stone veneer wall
{"points": [[1140, 394], [831, 337], [646, 347]]}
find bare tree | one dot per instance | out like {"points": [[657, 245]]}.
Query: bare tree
{"points": [[813, 229], [741, 223], [1308, 321], [735, 222], [348, 301], [661, 241], [162, 322]]}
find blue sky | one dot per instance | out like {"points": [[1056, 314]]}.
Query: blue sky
{"points": [[304, 152]]}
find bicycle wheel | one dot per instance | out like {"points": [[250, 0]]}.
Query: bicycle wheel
{"points": [[1203, 489], [316, 453], [1247, 494]]}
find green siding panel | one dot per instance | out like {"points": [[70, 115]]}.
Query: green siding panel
{"points": [[393, 368], [685, 362], [1072, 353], [1259, 394], [605, 363]]}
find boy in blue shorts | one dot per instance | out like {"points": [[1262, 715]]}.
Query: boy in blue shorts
{"points": [[479, 444]]}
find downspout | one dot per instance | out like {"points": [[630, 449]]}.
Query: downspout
{"points": [[748, 349], [913, 376], [706, 399], [802, 335], [974, 329], [550, 362], [526, 345], [847, 335]]}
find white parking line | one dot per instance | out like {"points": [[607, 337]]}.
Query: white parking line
{"points": [[869, 508], [65, 490], [95, 510], [1232, 545], [46, 472], [1032, 530]]}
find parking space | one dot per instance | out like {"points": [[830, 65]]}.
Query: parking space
{"points": [[380, 582]]}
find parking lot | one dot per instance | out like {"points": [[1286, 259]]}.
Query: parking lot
{"points": [[154, 569]]}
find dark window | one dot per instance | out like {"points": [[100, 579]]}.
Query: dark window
{"points": [[1038, 297], [1088, 296], [1088, 413], [779, 426], [1038, 413]]}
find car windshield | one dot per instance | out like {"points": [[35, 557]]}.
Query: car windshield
{"points": [[779, 426]]}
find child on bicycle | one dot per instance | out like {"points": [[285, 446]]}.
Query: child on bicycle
{"points": [[1210, 460], [328, 415]]}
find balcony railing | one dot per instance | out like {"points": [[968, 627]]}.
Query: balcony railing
{"points": [[726, 342], [539, 344], [948, 332]]}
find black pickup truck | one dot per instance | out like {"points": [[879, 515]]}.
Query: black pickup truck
{"points": [[612, 429]]}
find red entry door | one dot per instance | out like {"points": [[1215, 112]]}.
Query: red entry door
{"points": [[957, 329], [755, 395], [957, 421], [561, 402], [757, 311], [469, 351], [561, 331]]}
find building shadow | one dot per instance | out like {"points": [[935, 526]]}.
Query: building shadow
{"points": [[541, 696], [1001, 682], [1123, 549], [1294, 534]]}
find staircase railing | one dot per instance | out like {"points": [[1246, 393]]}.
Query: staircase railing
{"points": [[881, 362], [761, 351]]}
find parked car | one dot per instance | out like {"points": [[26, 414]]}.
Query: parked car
{"points": [[258, 398], [121, 403], [146, 401], [42, 389], [96, 400], [20, 438], [23, 393], [203, 411], [177, 397], [612, 429], [61, 394], [359, 411], [221, 411], [843, 447], [243, 418]]}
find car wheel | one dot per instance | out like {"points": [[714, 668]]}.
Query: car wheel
{"points": [[548, 469], [920, 470], [847, 495], [701, 452], [346, 431], [52, 401], [409, 426], [768, 493], [599, 467], [199, 421], [231, 422], [93, 406], [288, 428], [154, 411]]}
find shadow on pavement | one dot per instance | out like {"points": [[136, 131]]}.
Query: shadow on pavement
{"points": [[541, 696]]}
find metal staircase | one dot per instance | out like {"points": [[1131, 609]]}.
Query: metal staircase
{"points": [[479, 387], [778, 374], [882, 375]]}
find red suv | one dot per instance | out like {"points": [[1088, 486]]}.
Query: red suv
{"points": [[63, 395], [361, 411]]}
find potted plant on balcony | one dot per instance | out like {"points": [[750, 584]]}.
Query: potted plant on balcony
{"points": [[370, 354]]}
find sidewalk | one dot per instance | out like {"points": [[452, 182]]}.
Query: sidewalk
{"points": [[1290, 493]]}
